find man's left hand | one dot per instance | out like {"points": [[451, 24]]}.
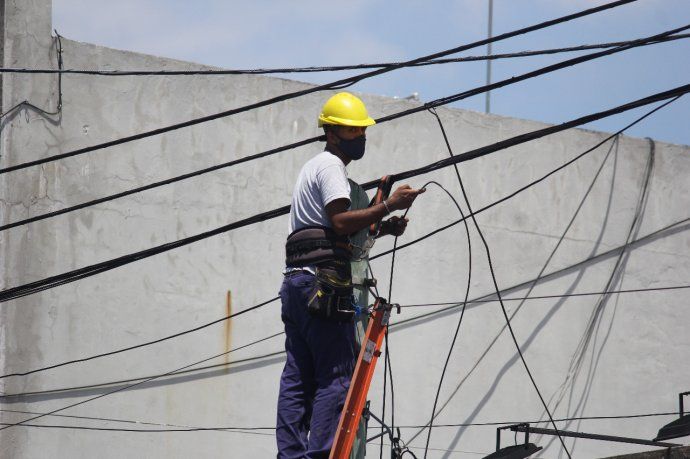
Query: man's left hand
{"points": [[395, 226]]}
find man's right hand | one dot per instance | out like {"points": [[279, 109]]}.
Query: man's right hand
{"points": [[403, 197]]}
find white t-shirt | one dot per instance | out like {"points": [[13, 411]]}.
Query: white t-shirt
{"points": [[322, 180]]}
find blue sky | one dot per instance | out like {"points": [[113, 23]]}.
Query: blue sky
{"points": [[264, 33]]}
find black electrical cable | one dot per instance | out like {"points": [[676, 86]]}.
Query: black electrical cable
{"points": [[42, 111], [390, 293], [464, 305], [538, 277], [529, 185], [498, 295], [579, 354], [167, 427], [339, 84], [82, 402], [536, 422], [333, 68], [420, 239], [579, 264], [594, 258], [111, 429], [383, 405], [71, 276], [15, 396], [240, 429], [432, 104], [159, 340], [547, 297]]}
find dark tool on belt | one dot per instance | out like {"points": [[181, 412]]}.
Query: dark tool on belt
{"points": [[332, 297]]}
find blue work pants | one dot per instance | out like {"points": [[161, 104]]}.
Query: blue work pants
{"points": [[321, 356]]}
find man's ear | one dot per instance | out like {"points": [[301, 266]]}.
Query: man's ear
{"points": [[331, 136]]}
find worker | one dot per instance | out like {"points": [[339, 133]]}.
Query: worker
{"points": [[317, 291]]}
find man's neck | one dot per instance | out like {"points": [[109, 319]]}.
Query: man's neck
{"points": [[334, 150]]}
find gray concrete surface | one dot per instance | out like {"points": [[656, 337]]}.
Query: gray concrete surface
{"points": [[634, 360], [673, 453]]}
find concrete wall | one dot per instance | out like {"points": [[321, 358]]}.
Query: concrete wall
{"points": [[635, 360]]}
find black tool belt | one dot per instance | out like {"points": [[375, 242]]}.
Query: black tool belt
{"points": [[331, 298], [313, 245]]}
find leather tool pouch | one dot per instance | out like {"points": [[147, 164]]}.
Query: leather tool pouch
{"points": [[332, 296]]}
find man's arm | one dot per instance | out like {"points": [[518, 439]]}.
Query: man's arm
{"points": [[346, 221]]}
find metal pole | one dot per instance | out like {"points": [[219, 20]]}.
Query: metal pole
{"points": [[487, 107], [591, 436]]}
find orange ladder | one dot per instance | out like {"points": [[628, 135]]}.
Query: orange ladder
{"points": [[361, 380]]}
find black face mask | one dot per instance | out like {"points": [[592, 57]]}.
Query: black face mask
{"points": [[353, 148]]}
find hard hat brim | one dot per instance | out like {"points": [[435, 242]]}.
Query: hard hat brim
{"points": [[333, 120]]}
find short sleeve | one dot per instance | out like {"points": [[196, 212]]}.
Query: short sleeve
{"points": [[333, 184]]}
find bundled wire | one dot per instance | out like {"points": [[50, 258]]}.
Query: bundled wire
{"points": [[680, 225], [174, 428], [395, 441], [333, 68], [498, 295], [544, 177], [551, 297], [404, 246], [407, 245], [339, 84], [463, 219], [87, 271], [677, 226], [579, 355], [533, 284], [429, 105], [467, 293]]}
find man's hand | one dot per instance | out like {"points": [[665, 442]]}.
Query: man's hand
{"points": [[403, 197], [395, 226]]}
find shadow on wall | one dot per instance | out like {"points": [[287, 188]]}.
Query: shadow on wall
{"points": [[90, 391], [592, 326]]}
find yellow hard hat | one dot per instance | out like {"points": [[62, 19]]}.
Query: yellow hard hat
{"points": [[344, 109]]}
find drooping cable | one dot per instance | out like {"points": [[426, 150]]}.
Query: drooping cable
{"points": [[536, 279], [58, 107], [137, 346], [620, 131], [550, 297], [464, 305], [247, 430], [333, 68], [339, 84], [498, 295], [130, 386], [414, 242], [531, 184], [63, 390], [594, 258], [80, 273], [175, 428], [677, 226], [390, 293], [579, 354], [432, 104], [166, 427], [384, 428]]}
